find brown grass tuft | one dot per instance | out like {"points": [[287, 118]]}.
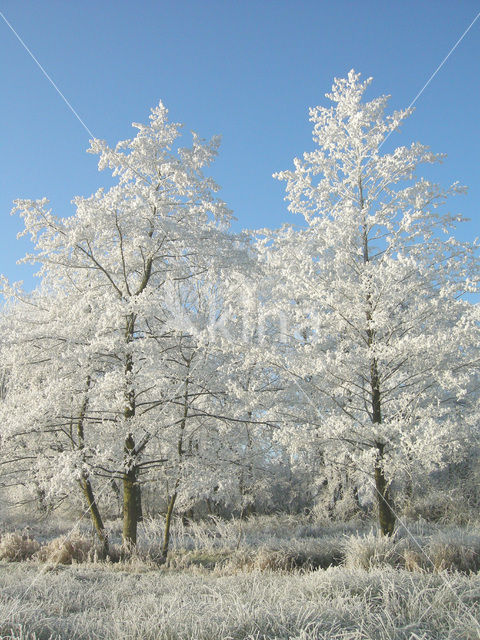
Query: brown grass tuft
{"points": [[16, 547]]}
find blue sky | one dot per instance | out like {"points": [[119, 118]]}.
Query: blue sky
{"points": [[247, 70]]}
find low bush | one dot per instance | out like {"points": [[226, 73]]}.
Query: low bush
{"points": [[372, 551], [16, 547], [68, 549], [453, 556]]}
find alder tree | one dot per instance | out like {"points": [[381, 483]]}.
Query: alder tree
{"points": [[112, 343], [382, 342]]}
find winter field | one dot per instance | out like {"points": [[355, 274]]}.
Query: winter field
{"points": [[168, 379], [265, 577]]}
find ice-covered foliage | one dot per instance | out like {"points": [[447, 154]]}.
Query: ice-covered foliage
{"points": [[379, 348], [310, 370], [110, 376]]}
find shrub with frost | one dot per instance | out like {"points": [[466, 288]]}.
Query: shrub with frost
{"points": [[372, 550], [16, 547], [68, 549]]}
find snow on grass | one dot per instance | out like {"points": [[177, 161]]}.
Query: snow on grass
{"points": [[92, 601], [253, 579], [277, 542]]}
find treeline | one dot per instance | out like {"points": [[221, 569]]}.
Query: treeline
{"points": [[325, 364]]}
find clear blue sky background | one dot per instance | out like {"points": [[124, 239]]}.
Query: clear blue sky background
{"points": [[248, 70]]}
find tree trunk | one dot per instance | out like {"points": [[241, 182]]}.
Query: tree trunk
{"points": [[85, 483], [168, 521], [138, 498], [386, 516], [356, 498], [173, 497], [95, 514], [408, 492], [130, 475], [247, 511], [42, 502], [130, 504], [118, 496]]}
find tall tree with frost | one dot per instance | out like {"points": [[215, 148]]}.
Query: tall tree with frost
{"points": [[120, 257], [381, 339]]}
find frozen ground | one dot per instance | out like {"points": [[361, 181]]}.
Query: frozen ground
{"points": [[255, 579], [84, 601]]}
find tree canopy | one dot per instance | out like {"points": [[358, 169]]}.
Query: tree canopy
{"points": [[162, 348]]}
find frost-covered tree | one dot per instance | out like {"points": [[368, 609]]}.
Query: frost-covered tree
{"points": [[126, 264], [380, 340]]}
